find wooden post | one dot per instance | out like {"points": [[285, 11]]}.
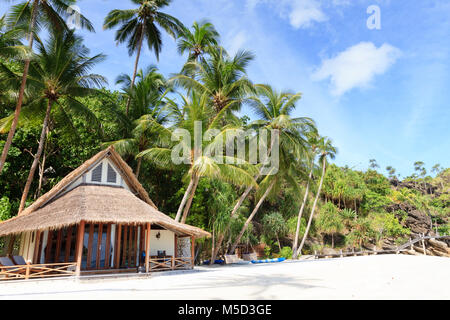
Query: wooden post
{"points": [[37, 245], [27, 272], [12, 239], [342, 255], [117, 248], [423, 244], [192, 251], [79, 246], [147, 249]]}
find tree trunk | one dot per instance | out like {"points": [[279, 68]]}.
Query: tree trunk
{"points": [[250, 218], [191, 198], [37, 157], [279, 244], [300, 214], [185, 197], [332, 241], [313, 208], [136, 64], [138, 168], [42, 168], [12, 130]]}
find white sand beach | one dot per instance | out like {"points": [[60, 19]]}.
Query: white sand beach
{"points": [[369, 277]]}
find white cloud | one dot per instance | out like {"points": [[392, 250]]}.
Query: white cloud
{"points": [[300, 13], [304, 12], [357, 66]]}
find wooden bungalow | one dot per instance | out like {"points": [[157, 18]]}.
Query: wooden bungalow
{"points": [[98, 219]]}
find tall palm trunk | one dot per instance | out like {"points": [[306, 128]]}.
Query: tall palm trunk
{"points": [[185, 198], [138, 168], [300, 213], [37, 157], [136, 64], [233, 215], [42, 168], [12, 131], [250, 218], [313, 208], [235, 210], [191, 198]]}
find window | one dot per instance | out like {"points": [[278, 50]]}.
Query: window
{"points": [[97, 173], [112, 175]]}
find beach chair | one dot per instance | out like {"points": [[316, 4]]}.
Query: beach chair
{"points": [[9, 269], [19, 260]]}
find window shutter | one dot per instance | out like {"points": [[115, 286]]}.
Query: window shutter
{"points": [[97, 173], [112, 175]]}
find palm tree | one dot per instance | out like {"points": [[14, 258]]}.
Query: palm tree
{"points": [[147, 105], [198, 41], [60, 71], [327, 150], [222, 78], [195, 115], [272, 184], [313, 143], [137, 25], [33, 14], [275, 109]]}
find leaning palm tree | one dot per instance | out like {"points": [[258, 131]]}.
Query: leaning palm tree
{"points": [[195, 116], [33, 15], [326, 150], [313, 144], [222, 78], [275, 109], [137, 25], [272, 183], [60, 72], [198, 41]]}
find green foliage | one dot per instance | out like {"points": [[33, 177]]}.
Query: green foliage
{"points": [[5, 208], [286, 252]]}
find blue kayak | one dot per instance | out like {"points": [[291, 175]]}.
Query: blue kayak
{"points": [[268, 260]]}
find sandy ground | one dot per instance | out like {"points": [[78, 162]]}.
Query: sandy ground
{"points": [[370, 277]]}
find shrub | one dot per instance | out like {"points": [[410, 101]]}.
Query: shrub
{"points": [[286, 252]]}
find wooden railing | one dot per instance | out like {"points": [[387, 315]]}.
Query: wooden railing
{"points": [[170, 263], [397, 250], [32, 271]]}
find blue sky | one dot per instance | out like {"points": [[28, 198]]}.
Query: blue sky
{"points": [[380, 94]]}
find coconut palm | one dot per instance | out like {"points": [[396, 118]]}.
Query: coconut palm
{"points": [[326, 150], [60, 71], [139, 24], [275, 109], [271, 185], [33, 15], [199, 40], [222, 78], [313, 143], [10, 45], [194, 116], [147, 105]]}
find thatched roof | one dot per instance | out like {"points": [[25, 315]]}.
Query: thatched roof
{"points": [[95, 204], [127, 173]]}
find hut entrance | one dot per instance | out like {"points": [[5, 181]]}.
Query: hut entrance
{"points": [[130, 247]]}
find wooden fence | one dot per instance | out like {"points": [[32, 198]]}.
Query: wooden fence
{"points": [[170, 263], [398, 250], [33, 271]]}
